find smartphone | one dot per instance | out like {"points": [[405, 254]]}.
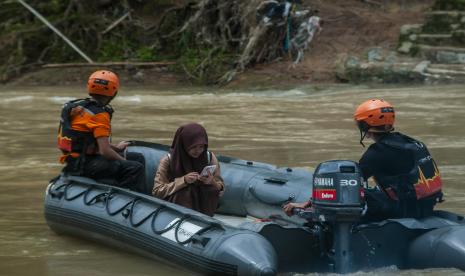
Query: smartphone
{"points": [[208, 169]]}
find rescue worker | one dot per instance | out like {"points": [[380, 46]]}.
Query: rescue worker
{"points": [[84, 137], [407, 177], [408, 183]]}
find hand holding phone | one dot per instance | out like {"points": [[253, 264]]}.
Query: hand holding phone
{"points": [[208, 169]]}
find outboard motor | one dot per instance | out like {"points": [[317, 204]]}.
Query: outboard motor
{"points": [[338, 201]]}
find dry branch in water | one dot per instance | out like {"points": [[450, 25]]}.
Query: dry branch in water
{"points": [[239, 28]]}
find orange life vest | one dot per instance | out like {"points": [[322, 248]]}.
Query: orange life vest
{"points": [[74, 142]]}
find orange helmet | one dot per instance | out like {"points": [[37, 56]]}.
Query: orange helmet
{"points": [[103, 82], [375, 115]]}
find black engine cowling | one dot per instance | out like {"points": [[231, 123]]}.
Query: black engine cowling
{"points": [[338, 193]]}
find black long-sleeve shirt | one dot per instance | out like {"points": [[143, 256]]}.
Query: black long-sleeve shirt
{"points": [[380, 160]]}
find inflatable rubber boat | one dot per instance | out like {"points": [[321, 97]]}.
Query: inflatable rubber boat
{"points": [[250, 234]]}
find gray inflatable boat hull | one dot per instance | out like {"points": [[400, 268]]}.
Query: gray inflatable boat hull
{"points": [[278, 243], [152, 227]]}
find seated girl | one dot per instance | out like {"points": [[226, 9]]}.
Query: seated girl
{"points": [[178, 178]]}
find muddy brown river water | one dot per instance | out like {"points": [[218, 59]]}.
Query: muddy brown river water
{"points": [[299, 128]]}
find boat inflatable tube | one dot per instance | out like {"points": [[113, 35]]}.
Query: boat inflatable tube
{"points": [[141, 223]]}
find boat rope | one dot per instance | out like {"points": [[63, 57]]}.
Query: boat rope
{"points": [[107, 205], [159, 232], [65, 193], [56, 192], [94, 199], [128, 210], [131, 218], [194, 236]]}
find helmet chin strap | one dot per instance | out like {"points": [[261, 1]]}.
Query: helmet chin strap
{"points": [[363, 128], [363, 134]]}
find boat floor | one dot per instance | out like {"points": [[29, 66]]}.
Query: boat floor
{"points": [[234, 221]]}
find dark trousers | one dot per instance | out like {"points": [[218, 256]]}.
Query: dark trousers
{"points": [[199, 197], [129, 173], [380, 206]]}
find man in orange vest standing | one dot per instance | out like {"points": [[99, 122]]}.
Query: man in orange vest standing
{"points": [[84, 137]]}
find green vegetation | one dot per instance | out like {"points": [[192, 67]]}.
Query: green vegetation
{"points": [[145, 53], [25, 42], [204, 65], [443, 22], [209, 40], [443, 5]]}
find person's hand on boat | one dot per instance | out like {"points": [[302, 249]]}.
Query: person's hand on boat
{"points": [[122, 145], [191, 177], [289, 207]]}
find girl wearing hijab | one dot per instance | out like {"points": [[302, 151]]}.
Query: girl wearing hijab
{"points": [[178, 178]]}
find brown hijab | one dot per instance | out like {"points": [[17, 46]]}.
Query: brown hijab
{"points": [[187, 136]]}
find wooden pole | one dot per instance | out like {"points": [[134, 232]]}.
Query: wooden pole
{"points": [[110, 64], [46, 22], [114, 24]]}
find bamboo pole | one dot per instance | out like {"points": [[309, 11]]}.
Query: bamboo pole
{"points": [[114, 24], [46, 22], [109, 64]]}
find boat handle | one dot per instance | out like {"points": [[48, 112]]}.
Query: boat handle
{"points": [[276, 180], [274, 203]]}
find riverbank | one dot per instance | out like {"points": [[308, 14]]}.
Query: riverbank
{"points": [[350, 28]]}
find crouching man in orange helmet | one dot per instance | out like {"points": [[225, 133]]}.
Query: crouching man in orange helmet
{"points": [[84, 137], [408, 183]]}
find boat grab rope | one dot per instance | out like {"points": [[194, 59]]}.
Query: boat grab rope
{"points": [[94, 199], [159, 232], [62, 191], [109, 197], [194, 236]]}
